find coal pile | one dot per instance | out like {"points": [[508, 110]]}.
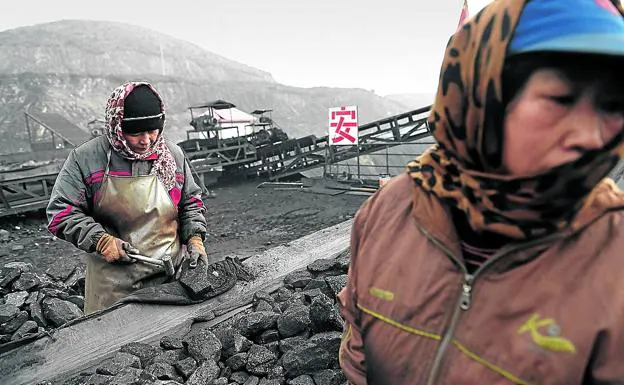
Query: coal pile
{"points": [[32, 302], [290, 336]]}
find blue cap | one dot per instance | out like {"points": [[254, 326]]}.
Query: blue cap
{"points": [[577, 26]]}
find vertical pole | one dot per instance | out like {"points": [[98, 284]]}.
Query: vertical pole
{"points": [[28, 130], [325, 164], [358, 161], [387, 162]]}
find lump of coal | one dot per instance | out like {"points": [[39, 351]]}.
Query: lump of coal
{"points": [[59, 312], [298, 278], [205, 282]]}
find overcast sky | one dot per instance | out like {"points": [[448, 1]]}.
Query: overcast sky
{"points": [[390, 46]]}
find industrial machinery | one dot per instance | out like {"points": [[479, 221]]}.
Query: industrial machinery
{"points": [[27, 178], [96, 127], [265, 131], [223, 141], [222, 131]]}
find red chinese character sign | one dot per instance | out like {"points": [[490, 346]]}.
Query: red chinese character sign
{"points": [[343, 126]]}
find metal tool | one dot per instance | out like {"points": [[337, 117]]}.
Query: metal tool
{"points": [[165, 262]]}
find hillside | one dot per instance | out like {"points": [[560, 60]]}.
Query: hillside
{"points": [[96, 48], [46, 67], [412, 101]]}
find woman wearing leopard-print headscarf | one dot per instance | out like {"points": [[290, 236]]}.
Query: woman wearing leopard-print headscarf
{"points": [[497, 257], [129, 191]]}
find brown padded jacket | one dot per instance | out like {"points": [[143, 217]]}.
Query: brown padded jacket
{"points": [[540, 312]]}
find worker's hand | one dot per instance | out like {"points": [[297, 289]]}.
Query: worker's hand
{"points": [[113, 249], [194, 256], [196, 252]]}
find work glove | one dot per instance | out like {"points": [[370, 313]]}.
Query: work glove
{"points": [[195, 253], [113, 249]]}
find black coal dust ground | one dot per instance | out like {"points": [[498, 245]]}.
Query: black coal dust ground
{"points": [[242, 220]]}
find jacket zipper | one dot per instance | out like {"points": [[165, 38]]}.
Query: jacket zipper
{"points": [[465, 297]]}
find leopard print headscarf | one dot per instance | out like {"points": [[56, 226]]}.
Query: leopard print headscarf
{"points": [[463, 170], [165, 166]]}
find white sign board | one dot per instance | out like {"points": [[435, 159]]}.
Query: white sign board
{"points": [[343, 126]]}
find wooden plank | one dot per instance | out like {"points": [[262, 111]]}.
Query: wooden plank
{"points": [[86, 344], [37, 156], [46, 171], [23, 207]]}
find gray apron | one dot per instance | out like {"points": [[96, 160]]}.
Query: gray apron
{"points": [[138, 210]]}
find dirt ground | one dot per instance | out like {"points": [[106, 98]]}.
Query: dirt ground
{"points": [[242, 220]]}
